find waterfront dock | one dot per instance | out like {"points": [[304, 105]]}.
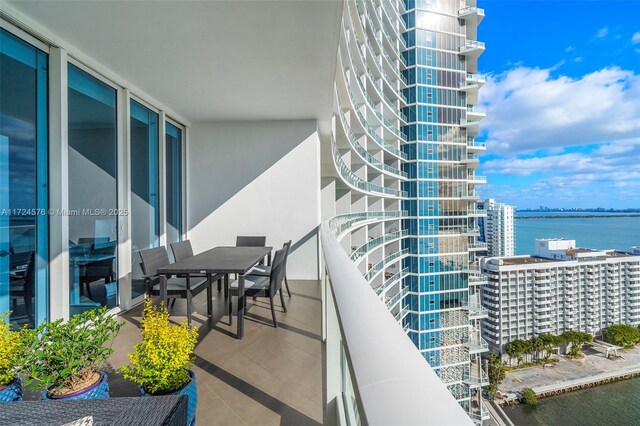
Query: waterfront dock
{"points": [[568, 375]]}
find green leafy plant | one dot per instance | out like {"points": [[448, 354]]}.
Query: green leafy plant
{"points": [[160, 362], [496, 372], [11, 351], [65, 356], [529, 396], [576, 339], [622, 335]]}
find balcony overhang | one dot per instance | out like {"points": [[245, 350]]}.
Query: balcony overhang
{"points": [[209, 60]]}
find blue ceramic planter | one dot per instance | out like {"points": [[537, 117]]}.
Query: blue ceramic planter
{"points": [[98, 390], [190, 390], [13, 392]]}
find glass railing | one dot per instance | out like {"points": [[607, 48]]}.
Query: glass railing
{"points": [[471, 142], [397, 298], [475, 110], [391, 280], [363, 152], [377, 242], [401, 314], [391, 127], [349, 176], [384, 263], [470, 45], [477, 178], [341, 223], [470, 10], [376, 137]]}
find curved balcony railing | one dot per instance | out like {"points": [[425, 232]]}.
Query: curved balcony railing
{"points": [[371, 131], [361, 343], [381, 49], [385, 76], [389, 282], [396, 298], [364, 154], [395, 130], [376, 243], [358, 183], [384, 263], [342, 222]]}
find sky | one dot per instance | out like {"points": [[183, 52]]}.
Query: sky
{"points": [[562, 97]]}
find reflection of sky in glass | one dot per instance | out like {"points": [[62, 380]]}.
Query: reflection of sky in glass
{"points": [[22, 154]]}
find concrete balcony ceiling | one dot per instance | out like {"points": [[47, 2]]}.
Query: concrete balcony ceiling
{"points": [[208, 60]]}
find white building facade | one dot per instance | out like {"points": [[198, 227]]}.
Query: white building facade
{"points": [[561, 288], [499, 228]]}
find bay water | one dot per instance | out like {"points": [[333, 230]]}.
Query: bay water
{"points": [[612, 404]]}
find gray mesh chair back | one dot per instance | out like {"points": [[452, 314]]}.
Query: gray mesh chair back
{"points": [[277, 271], [251, 241], [286, 246], [182, 250], [152, 259]]}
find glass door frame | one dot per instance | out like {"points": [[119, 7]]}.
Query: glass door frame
{"points": [[42, 284], [183, 175]]}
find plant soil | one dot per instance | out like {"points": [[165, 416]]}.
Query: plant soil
{"points": [[3, 387], [78, 385]]}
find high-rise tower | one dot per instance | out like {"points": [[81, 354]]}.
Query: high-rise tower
{"points": [[402, 166], [441, 62], [498, 228]]}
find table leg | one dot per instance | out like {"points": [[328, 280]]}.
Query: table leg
{"points": [[269, 259], [163, 290], [209, 285], [240, 331]]}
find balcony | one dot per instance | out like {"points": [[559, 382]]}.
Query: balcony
{"points": [[359, 381], [472, 126], [475, 113], [476, 344], [273, 375], [477, 179], [475, 377]]}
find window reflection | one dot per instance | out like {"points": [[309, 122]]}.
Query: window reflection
{"points": [[23, 174], [144, 188], [92, 192]]}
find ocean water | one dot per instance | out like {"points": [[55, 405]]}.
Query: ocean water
{"points": [[612, 404], [619, 233]]}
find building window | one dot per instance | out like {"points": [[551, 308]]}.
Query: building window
{"points": [[92, 158], [145, 226], [24, 238], [173, 182]]}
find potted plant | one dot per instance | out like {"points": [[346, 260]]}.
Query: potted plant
{"points": [[65, 357], [160, 362], [11, 349]]}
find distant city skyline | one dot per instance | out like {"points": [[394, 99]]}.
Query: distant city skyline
{"points": [[563, 104]]}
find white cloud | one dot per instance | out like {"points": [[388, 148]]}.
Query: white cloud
{"points": [[602, 32], [635, 39], [570, 49], [578, 59], [528, 109]]}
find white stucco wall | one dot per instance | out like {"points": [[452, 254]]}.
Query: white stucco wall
{"points": [[256, 178]]}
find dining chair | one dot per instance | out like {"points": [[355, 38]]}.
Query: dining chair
{"points": [[21, 285], [263, 286], [251, 241], [182, 250], [155, 258], [265, 270]]}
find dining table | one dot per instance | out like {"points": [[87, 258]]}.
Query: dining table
{"points": [[219, 260]]}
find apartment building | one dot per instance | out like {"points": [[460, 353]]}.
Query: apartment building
{"points": [[497, 228], [560, 288]]}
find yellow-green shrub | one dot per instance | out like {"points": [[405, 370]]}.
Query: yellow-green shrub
{"points": [[10, 351], [161, 361]]}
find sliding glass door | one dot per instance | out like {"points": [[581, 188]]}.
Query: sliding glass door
{"points": [[93, 192], [173, 173], [145, 223], [23, 181]]}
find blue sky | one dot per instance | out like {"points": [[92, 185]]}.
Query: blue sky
{"points": [[563, 103]]}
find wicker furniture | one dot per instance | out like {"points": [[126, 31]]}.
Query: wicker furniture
{"points": [[219, 260], [157, 410]]}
